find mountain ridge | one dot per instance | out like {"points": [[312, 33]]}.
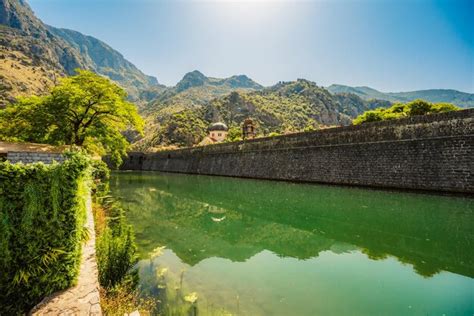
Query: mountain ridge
{"points": [[459, 98], [196, 89], [196, 78]]}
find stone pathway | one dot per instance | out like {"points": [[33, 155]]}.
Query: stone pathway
{"points": [[82, 299]]}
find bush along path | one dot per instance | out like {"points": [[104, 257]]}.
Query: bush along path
{"points": [[107, 268], [51, 262], [42, 217], [84, 297]]}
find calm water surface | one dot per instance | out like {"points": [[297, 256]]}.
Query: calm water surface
{"points": [[247, 247]]}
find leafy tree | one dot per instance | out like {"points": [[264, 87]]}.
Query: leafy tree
{"points": [[399, 110], [369, 116], [84, 110], [418, 107], [234, 134]]}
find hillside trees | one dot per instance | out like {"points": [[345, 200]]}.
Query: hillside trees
{"points": [[84, 110], [184, 128]]}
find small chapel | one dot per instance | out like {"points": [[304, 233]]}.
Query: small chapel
{"points": [[217, 132]]}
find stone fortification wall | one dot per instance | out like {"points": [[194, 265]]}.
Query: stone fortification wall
{"points": [[431, 152]]}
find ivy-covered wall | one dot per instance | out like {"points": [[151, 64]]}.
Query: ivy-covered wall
{"points": [[42, 216]]}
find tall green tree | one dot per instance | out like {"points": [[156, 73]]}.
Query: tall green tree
{"points": [[86, 110]]}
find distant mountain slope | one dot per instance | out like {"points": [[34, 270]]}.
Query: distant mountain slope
{"points": [[283, 108], [34, 55], [107, 61], [195, 89], [462, 99]]}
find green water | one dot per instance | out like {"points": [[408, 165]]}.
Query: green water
{"points": [[250, 247]]}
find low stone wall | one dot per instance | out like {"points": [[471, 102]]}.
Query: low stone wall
{"points": [[431, 152], [30, 157]]}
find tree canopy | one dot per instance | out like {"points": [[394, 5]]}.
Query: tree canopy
{"points": [[400, 110], [85, 110]]}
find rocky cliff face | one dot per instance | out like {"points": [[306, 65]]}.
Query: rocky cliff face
{"points": [[33, 55], [106, 61]]}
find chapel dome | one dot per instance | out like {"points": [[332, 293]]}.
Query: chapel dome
{"points": [[219, 126]]}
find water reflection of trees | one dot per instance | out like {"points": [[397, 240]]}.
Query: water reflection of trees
{"points": [[432, 233]]}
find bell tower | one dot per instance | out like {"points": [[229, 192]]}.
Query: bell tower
{"points": [[248, 129]]}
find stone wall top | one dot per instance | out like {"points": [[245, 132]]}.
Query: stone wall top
{"points": [[449, 124]]}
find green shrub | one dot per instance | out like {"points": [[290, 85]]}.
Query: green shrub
{"points": [[273, 134], [100, 171], [369, 116], [101, 176], [418, 107], [42, 216], [116, 250]]}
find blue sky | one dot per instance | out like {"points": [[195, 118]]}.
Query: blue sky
{"points": [[385, 44]]}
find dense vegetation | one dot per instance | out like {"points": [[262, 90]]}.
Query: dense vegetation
{"points": [[85, 110], [42, 216], [400, 110]]}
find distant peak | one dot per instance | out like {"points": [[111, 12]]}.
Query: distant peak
{"points": [[194, 74], [191, 79], [242, 77], [242, 81], [196, 78]]}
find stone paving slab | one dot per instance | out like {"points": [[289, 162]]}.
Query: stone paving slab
{"points": [[82, 299]]}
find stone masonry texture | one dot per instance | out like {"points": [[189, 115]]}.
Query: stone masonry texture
{"points": [[31, 157], [429, 152]]}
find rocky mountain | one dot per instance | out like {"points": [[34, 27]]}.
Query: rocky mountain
{"points": [[197, 79], [33, 55], [106, 61], [283, 108], [461, 99]]}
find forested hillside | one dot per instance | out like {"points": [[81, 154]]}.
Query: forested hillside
{"points": [[284, 108]]}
